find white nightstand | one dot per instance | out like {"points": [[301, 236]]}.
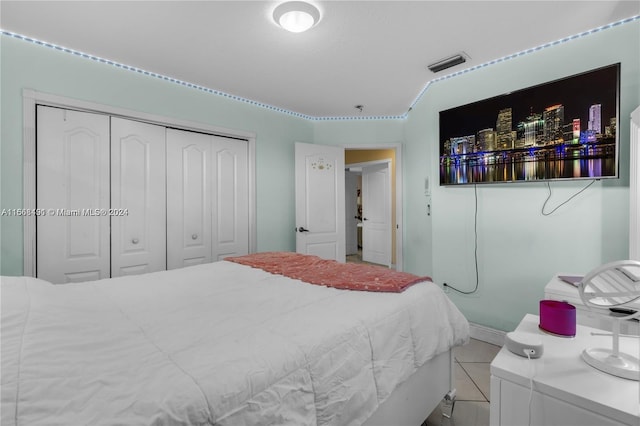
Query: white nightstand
{"points": [[557, 289], [566, 390]]}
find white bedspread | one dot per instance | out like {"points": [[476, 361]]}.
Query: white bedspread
{"points": [[219, 343]]}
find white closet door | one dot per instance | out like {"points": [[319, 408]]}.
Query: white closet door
{"points": [[138, 237], [72, 163], [231, 211], [189, 197]]}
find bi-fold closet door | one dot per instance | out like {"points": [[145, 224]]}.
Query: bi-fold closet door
{"points": [[126, 197], [72, 163], [207, 206], [138, 197]]}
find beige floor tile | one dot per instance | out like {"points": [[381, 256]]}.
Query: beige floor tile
{"points": [[472, 381], [465, 413], [476, 351], [480, 374], [466, 390]]}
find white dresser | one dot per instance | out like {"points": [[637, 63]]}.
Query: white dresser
{"points": [[566, 391]]}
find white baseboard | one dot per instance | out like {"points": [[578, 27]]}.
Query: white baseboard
{"points": [[486, 334]]}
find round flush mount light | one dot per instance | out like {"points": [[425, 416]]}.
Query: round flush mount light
{"points": [[296, 16]]}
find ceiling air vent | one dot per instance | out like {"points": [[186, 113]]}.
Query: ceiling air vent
{"points": [[447, 63]]}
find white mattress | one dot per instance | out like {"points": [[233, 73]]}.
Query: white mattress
{"points": [[219, 343]]}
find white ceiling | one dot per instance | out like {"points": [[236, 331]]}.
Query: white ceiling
{"points": [[370, 53]]}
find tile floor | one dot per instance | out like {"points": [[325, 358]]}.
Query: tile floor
{"points": [[357, 258], [472, 386]]}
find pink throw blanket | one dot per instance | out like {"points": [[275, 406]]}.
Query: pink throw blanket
{"points": [[314, 270]]}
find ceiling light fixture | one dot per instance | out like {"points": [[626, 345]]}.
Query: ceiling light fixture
{"points": [[447, 63], [296, 16]]}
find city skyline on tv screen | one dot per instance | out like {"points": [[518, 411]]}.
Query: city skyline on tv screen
{"points": [[564, 129]]}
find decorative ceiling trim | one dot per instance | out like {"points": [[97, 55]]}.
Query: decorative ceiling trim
{"points": [[305, 116], [153, 74], [522, 53]]}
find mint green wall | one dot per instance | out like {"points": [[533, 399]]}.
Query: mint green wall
{"points": [[26, 65], [519, 249], [358, 132]]}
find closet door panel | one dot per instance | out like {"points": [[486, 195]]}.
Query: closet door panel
{"points": [[231, 208], [138, 197], [72, 163], [189, 188]]}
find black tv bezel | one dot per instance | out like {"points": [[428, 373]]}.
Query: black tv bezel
{"points": [[615, 175]]}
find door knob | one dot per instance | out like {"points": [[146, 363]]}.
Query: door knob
{"points": [[134, 241], [194, 236], [302, 229], [364, 218]]}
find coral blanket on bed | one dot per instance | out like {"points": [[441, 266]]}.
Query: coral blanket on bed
{"points": [[315, 270]]}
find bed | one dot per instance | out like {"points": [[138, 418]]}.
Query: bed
{"points": [[223, 343]]}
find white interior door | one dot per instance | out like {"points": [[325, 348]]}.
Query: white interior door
{"points": [[138, 238], [634, 186], [189, 198], [320, 208], [72, 164], [376, 214]]}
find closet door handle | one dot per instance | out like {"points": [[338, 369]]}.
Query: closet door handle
{"points": [[194, 236], [134, 241], [302, 229]]}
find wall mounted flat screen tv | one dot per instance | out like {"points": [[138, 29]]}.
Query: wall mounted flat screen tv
{"points": [[563, 129]]}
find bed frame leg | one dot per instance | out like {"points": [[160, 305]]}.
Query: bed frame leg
{"points": [[448, 403]]}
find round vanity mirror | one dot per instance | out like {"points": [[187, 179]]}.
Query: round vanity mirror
{"points": [[613, 290]]}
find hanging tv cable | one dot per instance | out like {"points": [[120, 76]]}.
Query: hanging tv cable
{"points": [[564, 202], [475, 247]]}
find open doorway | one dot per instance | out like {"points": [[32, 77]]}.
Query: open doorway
{"points": [[373, 206]]}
